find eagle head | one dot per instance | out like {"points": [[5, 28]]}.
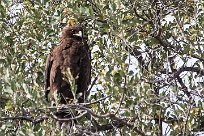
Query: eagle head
{"points": [[72, 32]]}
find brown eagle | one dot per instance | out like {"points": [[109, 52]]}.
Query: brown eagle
{"points": [[72, 53]]}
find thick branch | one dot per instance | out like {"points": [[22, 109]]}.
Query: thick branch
{"points": [[68, 119], [112, 117], [189, 69]]}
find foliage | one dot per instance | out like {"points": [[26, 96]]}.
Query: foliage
{"points": [[147, 65]]}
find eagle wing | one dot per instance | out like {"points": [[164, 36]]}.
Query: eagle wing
{"points": [[84, 73], [48, 66]]}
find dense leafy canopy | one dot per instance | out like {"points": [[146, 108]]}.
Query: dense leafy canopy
{"points": [[147, 65]]}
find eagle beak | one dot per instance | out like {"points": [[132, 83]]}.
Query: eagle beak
{"points": [[79, 34]]}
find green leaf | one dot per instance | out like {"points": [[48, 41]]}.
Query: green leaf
{"points": [[3, 11]]}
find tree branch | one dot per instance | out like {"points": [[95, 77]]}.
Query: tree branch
{"points": [[117, 121], [26, 118], [68, 119], [189, 69]]}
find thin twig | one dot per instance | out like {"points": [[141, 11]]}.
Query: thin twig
{"points": [[27, 118], [122, 98], [186, 122], [97, 101], [92, 84]]}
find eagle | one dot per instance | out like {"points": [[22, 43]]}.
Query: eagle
{"points": [[72, 54]]}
